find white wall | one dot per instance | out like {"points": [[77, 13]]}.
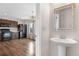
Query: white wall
{"points": [[42, 29], [44, 14], [74, 51]]}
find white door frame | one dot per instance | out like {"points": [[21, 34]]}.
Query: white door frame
{"points": [[38, 31]]}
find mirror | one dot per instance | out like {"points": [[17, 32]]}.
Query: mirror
{"points": [[64, 17]]}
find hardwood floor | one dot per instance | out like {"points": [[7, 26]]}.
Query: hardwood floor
{"points": [[18, 47]]}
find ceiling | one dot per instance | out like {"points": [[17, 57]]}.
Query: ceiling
{"points": [[17, 10]]}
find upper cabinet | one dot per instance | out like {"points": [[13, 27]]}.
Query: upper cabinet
{"points": [[8, 23], [64, 17]]}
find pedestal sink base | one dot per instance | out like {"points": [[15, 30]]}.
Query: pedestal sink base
{"points": [[61, 50], [62, 44]]}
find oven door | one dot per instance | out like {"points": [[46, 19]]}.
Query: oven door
{"points": [[7, 35]]}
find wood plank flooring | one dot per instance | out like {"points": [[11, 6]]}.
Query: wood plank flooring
{"points": [[18, 47]]}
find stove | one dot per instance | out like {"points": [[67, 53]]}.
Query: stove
{"points": [[6, 35]]}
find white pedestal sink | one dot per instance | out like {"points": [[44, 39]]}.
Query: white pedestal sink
{"points": [[62, 44]]}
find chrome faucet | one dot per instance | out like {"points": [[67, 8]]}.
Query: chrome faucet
{"points": [[62, 37]]}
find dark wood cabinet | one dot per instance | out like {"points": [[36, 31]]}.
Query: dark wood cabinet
{"points": [[8, 23]]}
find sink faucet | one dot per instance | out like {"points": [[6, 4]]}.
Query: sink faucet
{"points": [[62, 37]]}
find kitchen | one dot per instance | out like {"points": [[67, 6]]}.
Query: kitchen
{"points": [[17, 30]]}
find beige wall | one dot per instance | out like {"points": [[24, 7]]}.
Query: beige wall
{"points": [[42, 29], [74, 51], [44, 8]]}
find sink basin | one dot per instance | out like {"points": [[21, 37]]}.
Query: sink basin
{"points": [[62, 44], [65, 42]]}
